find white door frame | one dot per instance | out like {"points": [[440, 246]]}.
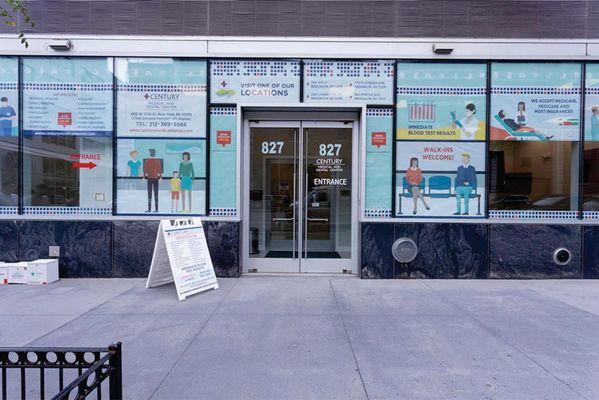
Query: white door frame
{"points": [[268, 265], [308, 119], [333, 265]]}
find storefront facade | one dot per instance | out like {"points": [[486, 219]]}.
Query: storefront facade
{"points": [[304, 155]]}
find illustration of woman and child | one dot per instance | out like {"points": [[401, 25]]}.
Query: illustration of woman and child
{"points": [[179, 185]]}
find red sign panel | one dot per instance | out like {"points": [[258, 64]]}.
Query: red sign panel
{"points": [[65, 118], [223, 137], [379, 139]]}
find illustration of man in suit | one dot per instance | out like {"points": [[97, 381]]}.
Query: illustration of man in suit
{"points": [[465, 182], [152, 170]]}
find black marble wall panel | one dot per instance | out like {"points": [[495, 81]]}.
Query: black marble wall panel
{"points": [[9, 247], [85, 248], [526, 251], [223, 243], [86, 251], [376, 258], [590, 262], [133, 247], [445, 251]]}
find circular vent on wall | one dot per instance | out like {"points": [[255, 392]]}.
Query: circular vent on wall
{"points": [[562, 256], [404, 250]]}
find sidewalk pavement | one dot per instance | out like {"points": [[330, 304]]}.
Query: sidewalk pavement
{"points": [[296, 337]]}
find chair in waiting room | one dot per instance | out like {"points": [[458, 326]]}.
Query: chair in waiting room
{"points": [[441, 185]]}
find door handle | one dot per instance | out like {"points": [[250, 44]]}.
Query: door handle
{"points": [[282, 219], [318, 219]]}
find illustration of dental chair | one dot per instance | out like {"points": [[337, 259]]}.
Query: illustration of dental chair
{"points": [[518, 133]]}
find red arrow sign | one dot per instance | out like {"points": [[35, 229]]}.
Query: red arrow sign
{"points": [[89, 165]]}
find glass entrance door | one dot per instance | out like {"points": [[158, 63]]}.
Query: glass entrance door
{"points": [[300, 197]]}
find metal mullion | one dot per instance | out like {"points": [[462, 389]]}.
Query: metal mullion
{"points": [[20, 143], [295, 194], [487, 140], [581, 141], [301, 197]]}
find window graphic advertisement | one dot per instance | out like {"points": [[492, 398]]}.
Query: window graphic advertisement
{"points": [[441, 101], [363, 82], [591, 111], [535, 132], [535, 101], [67, 135], [254, 81], [161, 138], [441, 133]]}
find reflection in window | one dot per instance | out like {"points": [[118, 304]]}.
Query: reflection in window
{"points": [[9, 132], [528, 175], [535, 132], [55, 175], [67, 135], [590, 186], [9, 161]]}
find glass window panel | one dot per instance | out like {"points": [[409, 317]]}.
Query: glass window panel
{"points": [[67, 135], [166, 176], [161, 138], [440, 148], [535, 130], [590, 187], [9, 132], [436, 179], [441, 101]]}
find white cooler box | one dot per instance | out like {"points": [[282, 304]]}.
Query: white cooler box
{"points": [[3, 274], [42, 271], [17, 272]]}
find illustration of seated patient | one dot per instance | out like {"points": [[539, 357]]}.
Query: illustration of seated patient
{"points": [[514, 128], [414, 179], [465, 183]]}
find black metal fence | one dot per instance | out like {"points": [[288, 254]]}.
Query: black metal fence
{"points": [[90, 366]]}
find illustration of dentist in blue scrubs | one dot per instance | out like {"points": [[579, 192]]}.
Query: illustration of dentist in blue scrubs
{"points": [[7, 116]]}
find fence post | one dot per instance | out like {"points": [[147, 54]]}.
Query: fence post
{"points": [[115, 383]]}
